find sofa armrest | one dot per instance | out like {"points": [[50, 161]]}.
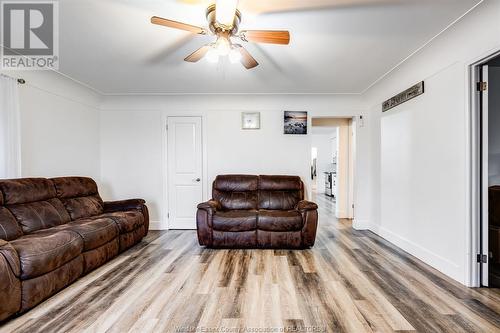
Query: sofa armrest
{"points": [[310, 218], [10, 254], [309, 212], [123, 205], [10, 285], [305, 205], [204, 217], [210, 206]]}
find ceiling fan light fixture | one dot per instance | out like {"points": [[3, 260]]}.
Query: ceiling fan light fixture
{"points": [[223, 46], [225, 11], [212, 55], [234, 55], [223, 18]]}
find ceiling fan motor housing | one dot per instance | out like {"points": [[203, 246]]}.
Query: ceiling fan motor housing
{"points": [[217, 27]]}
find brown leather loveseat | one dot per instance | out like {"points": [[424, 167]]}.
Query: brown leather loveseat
{"points": [[257, 212], [52, 231]]}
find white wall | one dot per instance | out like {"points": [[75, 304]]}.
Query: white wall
{"points": [[494, 126], [135, 126], [59, 126], [423, 183]]}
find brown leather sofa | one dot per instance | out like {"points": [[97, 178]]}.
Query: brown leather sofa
{"points": [[257, 212], [52, 231]]}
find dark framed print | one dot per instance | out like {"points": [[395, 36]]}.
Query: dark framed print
{"points": [[295, 122]]}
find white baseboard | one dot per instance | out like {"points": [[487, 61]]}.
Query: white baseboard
{"points": [[157, 225], [443, 265], [341, 214], [363, 225]]}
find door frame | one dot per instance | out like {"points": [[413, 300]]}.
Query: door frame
{"points": [[165, 221], [475, 157], [355, 121]]}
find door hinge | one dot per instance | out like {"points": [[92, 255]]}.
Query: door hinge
{"points": [[168, 215], [482, 258], [166, 127], [482, 86]]}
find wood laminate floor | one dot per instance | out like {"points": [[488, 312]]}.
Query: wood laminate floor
{"points": [[351, 281]]}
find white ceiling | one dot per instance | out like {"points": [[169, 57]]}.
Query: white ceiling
{"points": [[111, 46]]}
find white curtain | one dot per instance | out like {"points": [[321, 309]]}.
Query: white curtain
{"points": [[10, 129]]}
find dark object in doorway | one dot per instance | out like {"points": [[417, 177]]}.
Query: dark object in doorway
{"points": [[494, 205], [494, 244]]}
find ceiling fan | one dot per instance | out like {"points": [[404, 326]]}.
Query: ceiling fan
{"points": [[223, 21]]}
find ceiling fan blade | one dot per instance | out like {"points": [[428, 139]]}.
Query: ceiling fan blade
{"points": [[178, 25], [246, 59], [198, 54], [275, 6], [266, 36]]}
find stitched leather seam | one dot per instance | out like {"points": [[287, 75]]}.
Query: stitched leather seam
{"points": [[57, 211], [49, 251], [119, 229], [80, 195], [94, 230], [39, 218], [4, 231], [8, 263]]}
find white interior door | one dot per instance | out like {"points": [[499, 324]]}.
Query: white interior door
{"points": [[484, 180], [185, 184]]}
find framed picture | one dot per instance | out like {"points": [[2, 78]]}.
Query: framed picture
{"points": [[250, 120], [295, 122]]}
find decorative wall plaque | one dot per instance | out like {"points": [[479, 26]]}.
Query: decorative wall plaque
{"points": [[403, 97]]}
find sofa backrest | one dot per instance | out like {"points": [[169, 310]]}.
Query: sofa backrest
{"points": [[9, 228], [79, 196], [235, 192], [280, 192], [33, 203]]}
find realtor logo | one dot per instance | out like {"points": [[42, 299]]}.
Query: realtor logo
{"points": [[29, 35]]}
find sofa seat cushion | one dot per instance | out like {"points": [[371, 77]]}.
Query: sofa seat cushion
{"points": [[279, 220], [127, 221], [94, 232], [46, 250], [235, 220]]}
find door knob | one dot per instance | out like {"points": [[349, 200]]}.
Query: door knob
{"points": [[197, 179]]}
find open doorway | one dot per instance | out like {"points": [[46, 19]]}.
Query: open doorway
{"points": [[332, 164], [491, 97], [487, 106]]}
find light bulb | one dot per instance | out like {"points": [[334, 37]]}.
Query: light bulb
{"points": [[212, 55], [222, 46], [234, 56], [224, 11]]}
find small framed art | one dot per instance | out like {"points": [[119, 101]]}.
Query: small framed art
{"points": [[250, 120]]}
